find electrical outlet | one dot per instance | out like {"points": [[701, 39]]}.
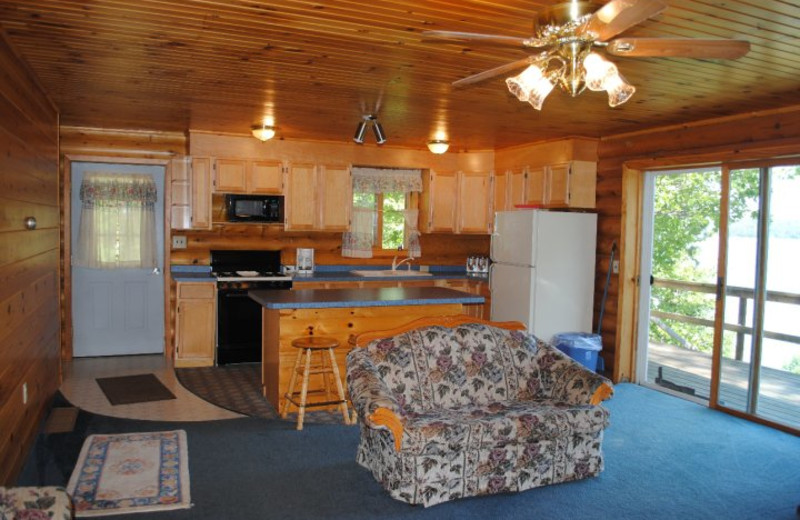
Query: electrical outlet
{"points": [[24, 393], [615, 267], [178, 242]]}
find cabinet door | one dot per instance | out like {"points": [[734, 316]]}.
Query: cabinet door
{"points": [[300, 203], [265, 177], [582, 185], [500, 189], [474, 203], [230, 176], [442, 202], [535, 193], [516, 188], [558, 184], [334, 198], [201, 193], [195, 330]]}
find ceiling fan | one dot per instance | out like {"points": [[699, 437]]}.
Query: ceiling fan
{"points": [[566, 36]]}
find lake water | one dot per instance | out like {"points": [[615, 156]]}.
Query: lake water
{"points": [[782, 275]]}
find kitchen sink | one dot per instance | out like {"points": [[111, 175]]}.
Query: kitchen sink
{"points": [[388, 273]]}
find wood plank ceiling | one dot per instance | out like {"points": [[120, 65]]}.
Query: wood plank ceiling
{"points": [[317, 66]]}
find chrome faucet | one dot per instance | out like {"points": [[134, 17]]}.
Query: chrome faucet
{"points": [[396, 264]]}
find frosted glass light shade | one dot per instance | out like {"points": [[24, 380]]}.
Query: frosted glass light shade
{"points": [[521, 84], [619, 90], [438, 146], [597, 69], [263, 132], [539, 92]]}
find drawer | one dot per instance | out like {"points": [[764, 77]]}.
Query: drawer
{"points": [[196, 290]]}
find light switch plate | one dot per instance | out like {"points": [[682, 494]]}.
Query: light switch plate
{"points": [[178, 242]]}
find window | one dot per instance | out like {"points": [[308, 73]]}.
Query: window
{"points": [[384, 215], [117, 226], [388, 223]]}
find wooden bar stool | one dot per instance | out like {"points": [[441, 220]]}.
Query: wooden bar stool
{"points": [[327, 367]]}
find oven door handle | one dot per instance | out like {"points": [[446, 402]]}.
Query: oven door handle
{"points": [[233, 294]]}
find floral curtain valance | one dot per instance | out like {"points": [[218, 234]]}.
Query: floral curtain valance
{"points": [[118, 189], [384, 180]]}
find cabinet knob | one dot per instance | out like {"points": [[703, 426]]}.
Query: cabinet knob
{"points": [[30, 223]]}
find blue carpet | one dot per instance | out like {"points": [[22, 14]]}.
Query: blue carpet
{"points": [[666, 458]]}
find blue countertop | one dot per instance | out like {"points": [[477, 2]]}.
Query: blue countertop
{"points": [[383, 297], [202, 273]]}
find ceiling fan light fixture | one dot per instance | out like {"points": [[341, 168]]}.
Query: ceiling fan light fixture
{"points": [[438, 146], [263, 132]]}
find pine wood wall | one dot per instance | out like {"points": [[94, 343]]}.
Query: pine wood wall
{"points": [[29, 260], [749, 136]]}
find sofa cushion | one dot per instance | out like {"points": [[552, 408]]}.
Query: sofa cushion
{"points": [[499, 424], [434, 368]]}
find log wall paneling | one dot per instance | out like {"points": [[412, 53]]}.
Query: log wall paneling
{"points": [[29, 260], [757, 135]]}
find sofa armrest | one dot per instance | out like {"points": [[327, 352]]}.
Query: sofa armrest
{"points": [[371, 398], [564, 379]]}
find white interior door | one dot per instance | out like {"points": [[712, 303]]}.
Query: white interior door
{"points": [[117, 311]]}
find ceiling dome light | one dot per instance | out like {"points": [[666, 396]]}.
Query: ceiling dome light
{"points": [[438, 146], [263, 132]]}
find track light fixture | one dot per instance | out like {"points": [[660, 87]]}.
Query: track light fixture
{"points": [[361, 130], [377, 129]]}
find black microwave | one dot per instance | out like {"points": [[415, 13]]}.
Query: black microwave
{"points": [[254, 208]]}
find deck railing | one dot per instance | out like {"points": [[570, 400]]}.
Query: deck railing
{"points": [[743, 295]]}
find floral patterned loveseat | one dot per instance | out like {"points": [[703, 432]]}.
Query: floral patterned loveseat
{"points": [[460, 407]]}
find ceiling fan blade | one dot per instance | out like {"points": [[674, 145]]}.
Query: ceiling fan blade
{"points": [[619, 15], [492, 38], [683, 47], [487, 74]]}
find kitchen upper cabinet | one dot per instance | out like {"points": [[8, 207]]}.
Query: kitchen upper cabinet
{"points": [[195, 329], [318, 197], [300, 204], [474, 203], [248, 176], [190, 202], [509, 189], [571, 184], [230, 175], [439, 200], [335, 195], [456, 202], [265, 177]]}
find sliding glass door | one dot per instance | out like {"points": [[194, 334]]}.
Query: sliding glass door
{"points": [[720, 319], [679, 278], [760, 351]]}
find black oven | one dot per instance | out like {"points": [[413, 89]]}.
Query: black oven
{"points": [[254, 208], [239, 317]]}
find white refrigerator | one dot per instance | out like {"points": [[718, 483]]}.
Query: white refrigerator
{"points": [[543, 270]]}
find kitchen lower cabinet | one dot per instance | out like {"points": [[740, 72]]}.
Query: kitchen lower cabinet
{"points": [[195, 324]]}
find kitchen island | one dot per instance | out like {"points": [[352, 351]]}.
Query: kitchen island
{"points": [[339, 313]]}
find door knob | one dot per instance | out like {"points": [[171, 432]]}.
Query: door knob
{"points": [[156, 271]]}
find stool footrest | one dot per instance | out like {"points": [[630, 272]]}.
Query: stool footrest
{"points": [[311, 405]]}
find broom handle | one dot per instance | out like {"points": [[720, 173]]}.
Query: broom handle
{"points": [[605, 290]]}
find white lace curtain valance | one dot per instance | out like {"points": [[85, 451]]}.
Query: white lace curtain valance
{"points": [[386, 180]]}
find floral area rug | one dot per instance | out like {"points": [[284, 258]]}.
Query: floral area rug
{"points": [[130, 473]]}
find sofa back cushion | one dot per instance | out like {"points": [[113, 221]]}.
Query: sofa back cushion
{"points": [[469, 365]]}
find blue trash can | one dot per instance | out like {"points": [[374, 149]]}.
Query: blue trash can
{"points": [[583, 347]]}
